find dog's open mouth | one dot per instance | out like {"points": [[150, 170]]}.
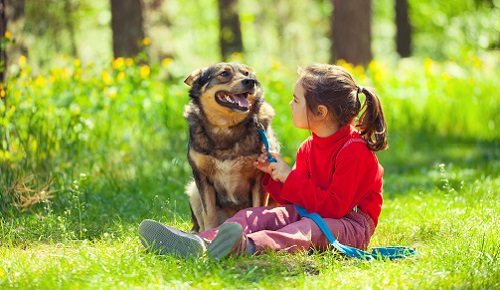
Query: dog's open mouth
{"points": [[236, 102]]}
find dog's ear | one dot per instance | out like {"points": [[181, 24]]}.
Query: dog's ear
{"points": [[193, 77]]}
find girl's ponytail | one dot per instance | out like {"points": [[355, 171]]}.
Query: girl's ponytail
{"points": [[372, 122]]}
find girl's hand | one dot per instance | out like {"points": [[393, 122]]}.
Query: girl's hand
{"points": [[262, 164], [278, 170]]}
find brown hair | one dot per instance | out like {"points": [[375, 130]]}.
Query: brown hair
{"points": [[333, 87]]}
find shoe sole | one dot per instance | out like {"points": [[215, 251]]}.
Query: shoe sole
{"points": [[164, 240], [224, 242]]}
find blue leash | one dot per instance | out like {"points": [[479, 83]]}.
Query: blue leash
{"points": [[395, 252], [263, 138]]}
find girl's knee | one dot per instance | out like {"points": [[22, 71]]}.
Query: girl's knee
{"points": [[246, 212]]}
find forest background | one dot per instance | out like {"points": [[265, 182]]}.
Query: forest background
{"points": [[92, 137]]}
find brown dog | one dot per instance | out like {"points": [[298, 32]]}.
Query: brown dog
{"points": [[224, 115]]}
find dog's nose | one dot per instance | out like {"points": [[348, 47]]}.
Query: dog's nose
{"points": [[249, 83]]}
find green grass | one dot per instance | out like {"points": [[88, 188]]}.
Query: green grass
{"points": [[456, 233], [109, 146]]}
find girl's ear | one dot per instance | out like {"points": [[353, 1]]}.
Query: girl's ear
{"points": [[322, 111]]}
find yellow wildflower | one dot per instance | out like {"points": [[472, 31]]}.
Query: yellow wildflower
{"points": [[76, 62], [275, 65], [477, 62], [146, 41], [237, 56], [129, 61], [428, 65], [22, 60], [40, 81], [106, 78], [377, 70], [7, 35], [278, 86], [359, 71], [118, 63], [120, 76], [343, 63], [166, 62], [63, 73], [144, 71]]}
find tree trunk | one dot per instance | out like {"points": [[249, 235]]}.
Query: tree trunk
{"points": [[403, 29], [127, 26], [70, 25], [3, 51], [351, 31], [229, 28], [4, 136], [16, 8]]}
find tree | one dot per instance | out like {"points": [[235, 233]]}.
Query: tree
{"points": [[403, 29], [3, 50], [16, 7], [351, 31], [229, 28], [127, 27], [4, 136], [70, 26]]}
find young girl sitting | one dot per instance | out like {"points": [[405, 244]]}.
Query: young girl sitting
{"points": [[336, 175]]}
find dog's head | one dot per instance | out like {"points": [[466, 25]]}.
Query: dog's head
{"points": [[226, 92]]}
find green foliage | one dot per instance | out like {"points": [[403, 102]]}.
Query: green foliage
{"points": [[459, 27], [188, 31]]}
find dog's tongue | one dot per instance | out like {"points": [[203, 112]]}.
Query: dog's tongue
{"points": [[241, 100]]}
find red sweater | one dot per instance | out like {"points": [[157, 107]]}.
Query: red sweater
{"points": [[330, 181]]}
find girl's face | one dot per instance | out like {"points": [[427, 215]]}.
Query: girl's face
{"points": [[299, 108]]}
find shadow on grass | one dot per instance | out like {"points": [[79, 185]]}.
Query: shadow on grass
{"points": [[413, 162]]}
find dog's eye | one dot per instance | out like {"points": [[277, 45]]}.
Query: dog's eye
{"points": [[245, 73], [224, 74]]}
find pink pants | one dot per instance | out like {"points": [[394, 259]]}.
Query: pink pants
{"points": [[282, 228]]}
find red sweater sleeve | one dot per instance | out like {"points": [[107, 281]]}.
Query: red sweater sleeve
{"points": [[339, 197], [273, 188]]}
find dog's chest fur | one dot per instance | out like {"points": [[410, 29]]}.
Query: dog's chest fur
{"points": [[225, 156], [231, 178]]}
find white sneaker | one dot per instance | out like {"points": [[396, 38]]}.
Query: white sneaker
{"points": [[165, 240]]}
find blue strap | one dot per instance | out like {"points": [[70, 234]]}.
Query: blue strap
{"points": [[391, 253], [263, 137]]}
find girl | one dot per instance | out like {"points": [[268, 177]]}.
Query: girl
{"points": [[336, 174]]}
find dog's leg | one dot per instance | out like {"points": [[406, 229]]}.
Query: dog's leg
{"points": [[257, 194], [210, 203], [196, 207]]}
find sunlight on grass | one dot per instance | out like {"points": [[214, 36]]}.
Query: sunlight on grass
{"points": [[109, 145]]}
